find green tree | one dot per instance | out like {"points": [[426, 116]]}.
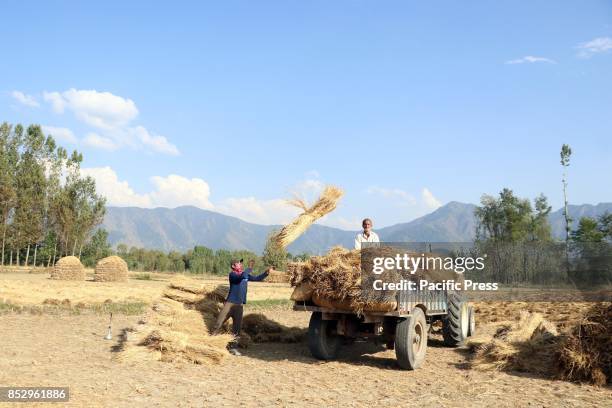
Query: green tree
{"points": [[97, 248], [274, 255]]}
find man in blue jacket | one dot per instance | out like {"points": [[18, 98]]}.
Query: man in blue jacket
{"points": [[239, 281]]}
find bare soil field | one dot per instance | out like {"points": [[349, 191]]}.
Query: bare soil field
{"points": [[68, 349]]}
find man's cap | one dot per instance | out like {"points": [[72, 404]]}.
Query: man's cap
{"points": [[235, 261]]}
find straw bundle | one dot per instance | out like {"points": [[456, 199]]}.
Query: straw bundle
{"points": [[68, 268], [275, 276], [324, 205], [111, 269]]}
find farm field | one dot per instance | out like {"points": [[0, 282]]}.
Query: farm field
{"points": [[49, 344]]}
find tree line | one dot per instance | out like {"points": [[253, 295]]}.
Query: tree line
{"points": [[520, 248], [47, 208]]}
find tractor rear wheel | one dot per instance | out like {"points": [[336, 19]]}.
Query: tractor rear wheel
{"points": [[411, 340], [323, 342], [472, 321], [456, 323]]}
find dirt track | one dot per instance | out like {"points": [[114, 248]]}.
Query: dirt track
{"points": [[69, 350]]}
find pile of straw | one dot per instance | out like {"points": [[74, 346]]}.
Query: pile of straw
{"points": [[177, 327], [260, 329], [582, 354], [111, 269], [68, 268], [323, 206], [586, 355], [528, 345]]}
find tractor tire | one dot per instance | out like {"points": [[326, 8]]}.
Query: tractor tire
{"points": [[323, 342], [472, 321], [411, 340], [455, 325]]}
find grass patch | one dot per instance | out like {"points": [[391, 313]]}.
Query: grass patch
{"points": [[270, 303], [143, 276], [124, 308]]}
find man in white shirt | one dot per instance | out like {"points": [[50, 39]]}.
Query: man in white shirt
{"points": [[367, 235]]}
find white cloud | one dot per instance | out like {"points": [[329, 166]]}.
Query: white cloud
{"points": [[99, 142], [155, 142], [60, 133], [530, 60], [274, 211], [429, 200], [399, 196], [117, 192], [24, 99], [596, 46], [56, 100], [170, 191], [111, 116], [173, 191], [98, 109]]}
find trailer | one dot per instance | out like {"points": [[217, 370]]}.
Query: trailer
{"points": [[405, 329]]}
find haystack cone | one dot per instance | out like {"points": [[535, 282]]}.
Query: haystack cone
{"points": [[68, 268], [111, 269]]}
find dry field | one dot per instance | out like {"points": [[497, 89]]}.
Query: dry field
{"points": [[57, 347]]}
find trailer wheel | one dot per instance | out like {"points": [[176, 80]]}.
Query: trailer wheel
{"points": [[455, 325], [411, 340], [472, 321], [323, 341]]}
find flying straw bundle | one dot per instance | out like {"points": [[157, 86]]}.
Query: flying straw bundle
{"points": [[111, 269], [68, 268], [324, 205]]}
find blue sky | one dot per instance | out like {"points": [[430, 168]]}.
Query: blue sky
{"points": [[232, 106]]}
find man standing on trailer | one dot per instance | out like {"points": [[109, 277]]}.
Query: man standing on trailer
{"points": [[367, 235]]}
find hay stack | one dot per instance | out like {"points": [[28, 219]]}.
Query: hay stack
{"points": [[68, 268], [324, 205], [111, 269]]}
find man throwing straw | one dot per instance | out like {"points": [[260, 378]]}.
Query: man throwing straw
{"points": [[237, 297]]}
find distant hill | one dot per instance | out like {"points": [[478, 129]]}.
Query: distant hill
{"points": [[184, 227], [557, 221]]}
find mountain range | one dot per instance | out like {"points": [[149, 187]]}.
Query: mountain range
{"points": [[182, 228]]}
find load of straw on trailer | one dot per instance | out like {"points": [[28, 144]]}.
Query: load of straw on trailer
{"points": [[336, 280]]}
